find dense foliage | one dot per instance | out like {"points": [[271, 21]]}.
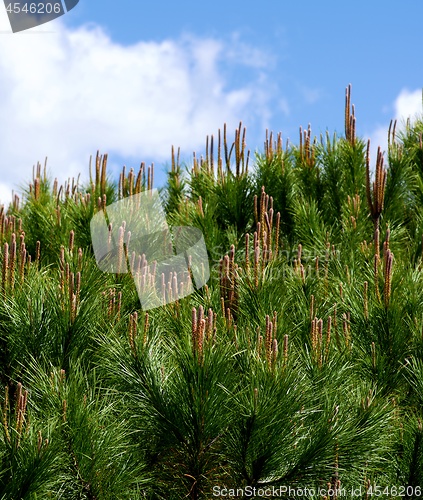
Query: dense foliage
{"points": [[299, 365]]}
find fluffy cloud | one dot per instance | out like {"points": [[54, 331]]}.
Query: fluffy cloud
{"points": [[66, 93], [408, 104]]}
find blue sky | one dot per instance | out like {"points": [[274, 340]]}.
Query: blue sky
{"points": [[132, 78]]}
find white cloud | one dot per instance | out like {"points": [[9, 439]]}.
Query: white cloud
{"points": [[407, 105], [378, 138], [66, 93]]}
